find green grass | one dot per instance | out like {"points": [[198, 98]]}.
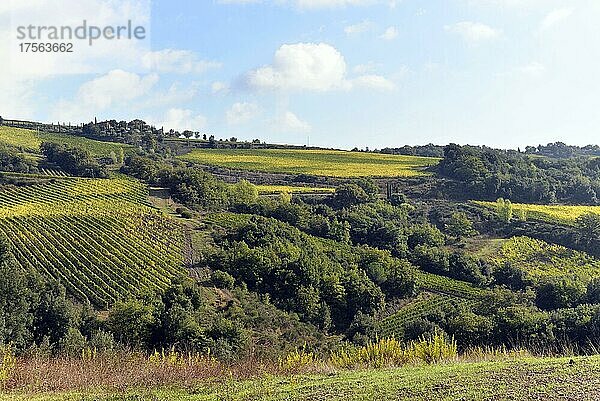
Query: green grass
{"points": [[540, 259], [96, 237], [330, 163], [30, 141], [482, 246], [551, 213], [521, 379]]}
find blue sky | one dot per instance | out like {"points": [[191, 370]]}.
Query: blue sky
{"points": [[338, 73]]}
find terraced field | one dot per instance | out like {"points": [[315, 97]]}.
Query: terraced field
{"points": [[552, 213], [331, 163], [97, 237], [30, 141]]}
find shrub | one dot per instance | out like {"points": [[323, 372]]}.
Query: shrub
{"points": [[434, 349], [298, 360], [73, 343], [390, 352], [221, 279], [8, 364], [102, 341]]}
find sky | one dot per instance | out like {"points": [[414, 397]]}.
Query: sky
{"points": [[333, 73]]}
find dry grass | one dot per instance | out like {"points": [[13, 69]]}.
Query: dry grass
{"points": [[121, 371]]}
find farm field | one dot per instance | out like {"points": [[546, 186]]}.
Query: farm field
{"points": [[514, 379], [97, 237], [539, 259], [330, 163], [561, 213], [277, 189], [30, 141]]}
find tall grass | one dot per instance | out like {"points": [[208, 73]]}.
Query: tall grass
{"points": [[122, 370], [390, 352]]}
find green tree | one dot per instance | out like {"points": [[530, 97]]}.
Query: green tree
{"points": [[347, 195], [588, 225], [425, 234], [504, 209], [15, 315], [244, 193], [131, 322], [460, 226]]}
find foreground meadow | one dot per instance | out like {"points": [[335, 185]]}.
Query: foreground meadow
{"points": [[518, 379], [332, 163]]}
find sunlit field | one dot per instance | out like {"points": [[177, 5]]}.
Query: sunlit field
{"points": [[331, 163], [30, 141], [552, 213]]}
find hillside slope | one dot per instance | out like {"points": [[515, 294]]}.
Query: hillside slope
{"points": [[97, 237]]}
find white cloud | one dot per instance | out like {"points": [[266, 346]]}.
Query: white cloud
{"points": [[390, 33], [401, 73], [311, 67], [180, 120], [555, 16], [17, 100], [115, 88], [219, 87], [177, 61], [531, 70], [312, 4], [302, 66], [473, 32], [101, 57], [288, 121], [374, 82], [358, 28], [176, 94], [241, 113], [367, 68], [238, 1], [534, 69], [509, 3]]}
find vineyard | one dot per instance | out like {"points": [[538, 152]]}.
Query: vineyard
{"points": [[30, 141], [448, 286], [437, 292], [277, 189], [540, 259], [97, 237], [423, 305], [329, 163], [552, 213]]}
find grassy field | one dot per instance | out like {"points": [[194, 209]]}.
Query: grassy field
{"points": [[539, 259], [97, 237], [277, 189], [314, 162], [520, 379], [552, 213], [30, 141]]}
